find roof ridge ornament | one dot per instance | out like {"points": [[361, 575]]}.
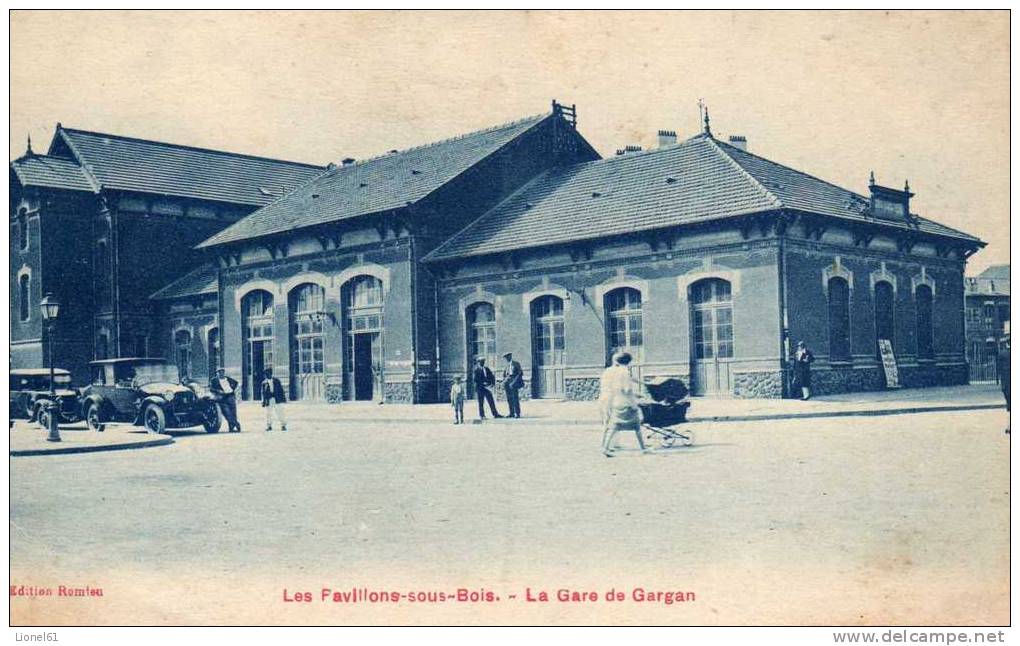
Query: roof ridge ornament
{"points": [[703, 110], [28, 151]]}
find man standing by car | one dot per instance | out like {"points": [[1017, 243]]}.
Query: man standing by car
{"points": [[225, 389], [513, 381], [273, 400], [484, 380]]}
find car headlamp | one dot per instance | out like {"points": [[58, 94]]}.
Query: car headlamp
{"points": [[169, 395]]}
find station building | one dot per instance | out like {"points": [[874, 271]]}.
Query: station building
{"points": [[382, 279]]}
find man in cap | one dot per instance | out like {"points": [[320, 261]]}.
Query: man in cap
{"points": [[225, 389], [513, 381], [484, 381]]}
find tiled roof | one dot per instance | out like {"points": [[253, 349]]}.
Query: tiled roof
{"points": [[800, 191], [51, 172], [996, 271], [203, 280], [124, 163], [379, 184], [983, 286], [697, 180]]}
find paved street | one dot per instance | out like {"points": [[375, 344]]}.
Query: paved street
{"points": [[899, 519]]}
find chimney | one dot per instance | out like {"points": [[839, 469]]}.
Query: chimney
{"points": [[667, 138], [628, 149], [347, 161], [739, 141]]}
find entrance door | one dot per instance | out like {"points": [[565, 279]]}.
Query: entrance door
{"points": [[548, 346], [712, 337], [364, 377], [258, 367]]}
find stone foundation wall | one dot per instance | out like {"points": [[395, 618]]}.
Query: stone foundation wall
{"points": [[334, 393], [927, 376], [581, 388], [846, 380], [399, 393], [758, 385]]}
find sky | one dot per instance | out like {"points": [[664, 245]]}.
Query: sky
{"points": [[918, 96]]}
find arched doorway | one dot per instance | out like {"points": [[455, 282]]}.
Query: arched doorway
{"points": [[362, 298], [257, 339], [711, 336], [481, 338], [548, 346], [307, 309]]}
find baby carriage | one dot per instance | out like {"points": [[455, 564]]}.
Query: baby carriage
{"points": [[668, 409]]}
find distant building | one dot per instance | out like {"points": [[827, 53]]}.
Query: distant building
{"points": [[382, 279], [102, 221], [987, 319]]}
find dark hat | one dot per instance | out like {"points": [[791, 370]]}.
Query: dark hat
{"points": [[800, 344], [507, 355]]}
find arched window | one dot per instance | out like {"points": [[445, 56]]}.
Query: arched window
{"points": [[213, 354], [624, 329], [102, 346], [257, 338], [884, 312], [712, 304], [182, 353], [925, 341], [307, 311], [481, 320], [24, 297], [22, 229], [839, 319]]}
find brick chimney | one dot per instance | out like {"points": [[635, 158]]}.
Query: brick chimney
{"points": [[739, 141], [667, 138]]}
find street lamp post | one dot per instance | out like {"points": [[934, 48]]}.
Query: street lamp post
{"points": [[50, 310]]}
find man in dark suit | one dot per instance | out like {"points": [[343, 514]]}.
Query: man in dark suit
{"points": [[273, 400], [513, 381], [484, 381], [225, 389]]}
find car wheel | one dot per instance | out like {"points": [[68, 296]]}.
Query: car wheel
{"points": [[43, 417], [211, 419], [154, 419], [33, 414], [93, 420]]}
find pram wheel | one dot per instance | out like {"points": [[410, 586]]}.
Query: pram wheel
{"points": [[667, 441], [687, 438]]}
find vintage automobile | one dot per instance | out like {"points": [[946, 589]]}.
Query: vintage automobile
{"points": [[145, 392], [30, 395]]}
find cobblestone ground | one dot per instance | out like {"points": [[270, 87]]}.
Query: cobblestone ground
{"points": [[879, 520]]}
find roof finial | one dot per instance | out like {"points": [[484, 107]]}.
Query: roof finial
{"points": [[906, 186], [704, 117], [29, 152], [871, 179]]}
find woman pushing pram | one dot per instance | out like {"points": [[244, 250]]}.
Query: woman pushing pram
{"points": [[618, 399], [628, 405]]}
